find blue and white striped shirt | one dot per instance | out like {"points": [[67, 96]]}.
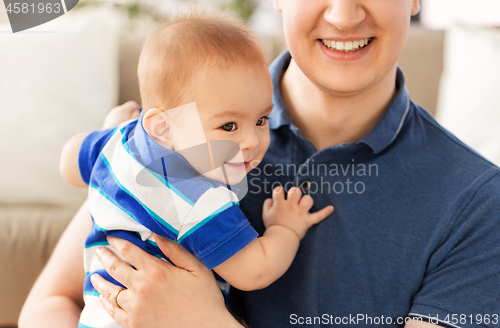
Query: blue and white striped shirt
{"points": [[138, 188]]}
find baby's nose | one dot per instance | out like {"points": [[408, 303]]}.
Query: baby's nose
{"points": [[250, 141]]}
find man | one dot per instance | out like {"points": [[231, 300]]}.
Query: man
{"points": [[414, 239]]}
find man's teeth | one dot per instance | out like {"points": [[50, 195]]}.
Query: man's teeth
{"points": [[346, 46]]}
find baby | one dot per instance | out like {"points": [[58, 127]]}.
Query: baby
{"points": [[180, 168]]}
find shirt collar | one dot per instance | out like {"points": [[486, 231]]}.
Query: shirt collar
{"points": [[158, 158], [379, 138], [164, 161], [278, 116]]}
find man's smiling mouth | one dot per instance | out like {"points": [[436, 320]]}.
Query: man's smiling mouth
{"points": [[347, 46]]}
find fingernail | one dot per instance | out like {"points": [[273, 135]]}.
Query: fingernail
{"points": [[170, 243], [113, 241], [92, 278], [161, 238], [98, 250]]}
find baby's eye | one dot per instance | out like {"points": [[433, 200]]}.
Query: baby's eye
{"points": [[262, 120], [229, 127]]}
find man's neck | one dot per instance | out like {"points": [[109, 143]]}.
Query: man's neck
{"points": [[326, 120]]}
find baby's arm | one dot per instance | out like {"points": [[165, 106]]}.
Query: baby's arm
{"points": [[68, 165], [267, 258]]}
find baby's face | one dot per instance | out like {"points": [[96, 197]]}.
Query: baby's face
{"points": [[233, 104]]}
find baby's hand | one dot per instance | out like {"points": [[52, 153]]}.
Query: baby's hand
{"points": [[120, 114], [292, 212]]}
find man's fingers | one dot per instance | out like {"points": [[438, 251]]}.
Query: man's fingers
{"points": [[116, 313], [116, 267], [131, 252], [108, 291], [178, 255], [132, 108], [320, 215], [135, 113], [131, 105]]}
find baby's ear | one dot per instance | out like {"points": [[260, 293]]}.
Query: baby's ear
{"points": [[158, 126]]}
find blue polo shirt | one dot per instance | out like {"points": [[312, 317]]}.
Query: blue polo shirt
{"points": [[415, 232]]}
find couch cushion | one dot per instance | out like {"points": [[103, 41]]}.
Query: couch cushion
{"points": [[57, 80], [28, 235]]}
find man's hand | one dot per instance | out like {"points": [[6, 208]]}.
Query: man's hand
{"points": [[160, 294], [120, 114], [292, 212]]}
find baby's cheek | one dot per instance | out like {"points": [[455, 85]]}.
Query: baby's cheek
{"points": [[266, 142]]}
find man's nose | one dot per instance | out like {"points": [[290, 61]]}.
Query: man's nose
{"points": [[345, 14]]}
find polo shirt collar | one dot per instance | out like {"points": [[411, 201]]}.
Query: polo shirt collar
{"points": [[156, 157], [163, 161], [278, 116], [379, 138]]}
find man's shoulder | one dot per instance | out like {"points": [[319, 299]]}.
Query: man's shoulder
{"points": [[440, 166], [439, 149]]}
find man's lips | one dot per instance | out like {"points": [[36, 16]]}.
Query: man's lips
{"points": [[349, 55], [346, 45]]}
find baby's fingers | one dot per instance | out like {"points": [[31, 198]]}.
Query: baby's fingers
{"points": [[320, 215], [278, 194], [294, 195], [268, 203], [306, 202]]}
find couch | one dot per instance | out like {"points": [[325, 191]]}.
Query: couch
{"points": [[30, 225]]}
